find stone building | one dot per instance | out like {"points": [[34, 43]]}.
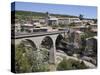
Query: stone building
{"points": [[77, 38]]}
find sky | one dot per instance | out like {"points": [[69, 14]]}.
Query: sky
{"points": [[75, 10]]}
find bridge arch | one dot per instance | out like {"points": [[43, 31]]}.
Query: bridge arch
{"points": [[47, 42], [58, 41], [29, 44]]}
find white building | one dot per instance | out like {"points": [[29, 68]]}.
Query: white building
{"points": [[71, 20], [52, 21], [42, 21], [85, 21], [27, 27], [16, 27], [65, 21]]}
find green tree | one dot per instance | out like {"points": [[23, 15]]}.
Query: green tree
{"points": [[81, 17], [95, 21], [71, 64], [29, 60], [21, 60]]}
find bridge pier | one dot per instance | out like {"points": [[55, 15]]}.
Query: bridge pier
{"points": [[52, 59]]}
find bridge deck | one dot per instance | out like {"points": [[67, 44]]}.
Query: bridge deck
{"points": [[36, 34]]}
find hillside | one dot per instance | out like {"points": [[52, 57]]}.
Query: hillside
{"points": [[23, 14]]}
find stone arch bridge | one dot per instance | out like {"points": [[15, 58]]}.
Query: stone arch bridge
{"points": [[37, 38]]}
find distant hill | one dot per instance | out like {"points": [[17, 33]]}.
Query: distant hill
{"points": [[28, 13], [38, 14]]}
